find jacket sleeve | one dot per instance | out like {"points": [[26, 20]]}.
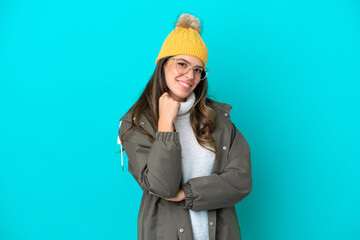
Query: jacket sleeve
{"points": [[155, 166], [225, 189]]}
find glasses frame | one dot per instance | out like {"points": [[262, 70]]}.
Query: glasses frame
{"points": [[206, 70]]}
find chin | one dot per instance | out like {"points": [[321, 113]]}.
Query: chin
{"points": [[181, 96], [184, 95]]}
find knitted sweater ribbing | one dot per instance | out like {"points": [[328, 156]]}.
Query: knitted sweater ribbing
{"points": [[196, 162]]}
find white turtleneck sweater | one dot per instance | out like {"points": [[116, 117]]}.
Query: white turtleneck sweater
{"points": [[196, 162]]}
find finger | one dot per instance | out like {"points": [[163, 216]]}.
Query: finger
{"points": [[170, 199]]}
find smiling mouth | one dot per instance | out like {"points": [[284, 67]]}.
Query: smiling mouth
{"points": [[184, 85]]}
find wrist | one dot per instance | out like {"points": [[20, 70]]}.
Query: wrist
{"points": [[164, 126], [182, 194]]}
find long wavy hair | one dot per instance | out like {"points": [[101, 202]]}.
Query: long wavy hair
{"points": [[202, 117]]}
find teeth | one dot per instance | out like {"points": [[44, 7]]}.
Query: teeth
{"points": [[184, 84]]}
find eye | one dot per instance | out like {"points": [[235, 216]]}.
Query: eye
{"points": [[199, 70], [182, 64]]}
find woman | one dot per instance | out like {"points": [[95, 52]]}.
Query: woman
{"points": [[188, 157]]}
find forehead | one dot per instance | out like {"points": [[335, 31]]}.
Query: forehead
{"points": [[195, 61]]}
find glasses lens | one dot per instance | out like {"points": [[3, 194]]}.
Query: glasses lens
{"points": [[203, 75], [181, 66]]}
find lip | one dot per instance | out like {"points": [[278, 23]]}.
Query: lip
{"points": [[188, 83]]}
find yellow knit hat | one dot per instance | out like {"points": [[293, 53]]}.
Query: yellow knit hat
{"points": [[185, 40]]}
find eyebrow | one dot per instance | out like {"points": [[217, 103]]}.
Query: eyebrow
{"points": [[190, 62]]}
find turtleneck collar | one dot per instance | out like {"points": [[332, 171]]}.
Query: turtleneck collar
{"points": [[184, 110]]}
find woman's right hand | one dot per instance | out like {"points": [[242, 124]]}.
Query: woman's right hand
{"points": [[179, 197], [168, 109]]}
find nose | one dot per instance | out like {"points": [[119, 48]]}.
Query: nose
{"points": [[190, 73]]}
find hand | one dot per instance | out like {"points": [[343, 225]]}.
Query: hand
{"points": [[168, 109], [179, 197]]}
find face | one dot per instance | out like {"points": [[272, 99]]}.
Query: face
{"points": [[174, 79]]}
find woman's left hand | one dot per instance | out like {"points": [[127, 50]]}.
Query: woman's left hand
{"points": [[179, 197]]}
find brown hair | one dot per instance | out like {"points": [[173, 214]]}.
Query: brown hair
{"points": [[200, 114]]}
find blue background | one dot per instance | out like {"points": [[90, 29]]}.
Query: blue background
{"points": [[70, 69]]}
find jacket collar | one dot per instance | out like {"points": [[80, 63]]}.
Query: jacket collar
{"points": [[222, 106]]}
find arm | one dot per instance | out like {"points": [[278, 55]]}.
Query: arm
{"points": [[155, 166], [225, 189]]}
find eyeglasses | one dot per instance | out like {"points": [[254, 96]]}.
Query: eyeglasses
{"points": [[182, 66]]}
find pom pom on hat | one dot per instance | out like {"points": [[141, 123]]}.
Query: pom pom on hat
{"points": [[185, 40], [188, 21]]}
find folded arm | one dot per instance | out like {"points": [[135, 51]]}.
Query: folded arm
{"points": [[225, 189], [155, 166]]}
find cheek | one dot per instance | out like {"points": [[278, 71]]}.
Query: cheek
{"points": [[168, 73], [171, 76]]}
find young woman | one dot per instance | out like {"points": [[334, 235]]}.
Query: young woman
{"points": [[189, 159]]}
